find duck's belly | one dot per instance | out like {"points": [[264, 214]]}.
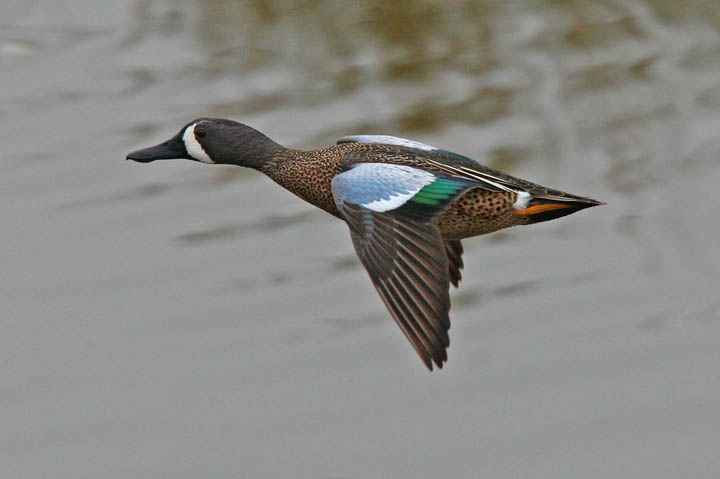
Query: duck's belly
{"points": [[479, 212]]}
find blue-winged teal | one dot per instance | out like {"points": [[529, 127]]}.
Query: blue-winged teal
{"points": [[407, 205]]}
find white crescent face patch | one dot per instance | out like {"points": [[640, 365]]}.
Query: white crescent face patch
{"points": [[193, 146]]}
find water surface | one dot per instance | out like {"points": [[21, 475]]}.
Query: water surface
{"points": [[180, 320]]}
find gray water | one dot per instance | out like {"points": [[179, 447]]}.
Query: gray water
{"points": [[177, 320]]}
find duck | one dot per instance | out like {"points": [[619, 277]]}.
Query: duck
{"points": [[408, 206]]}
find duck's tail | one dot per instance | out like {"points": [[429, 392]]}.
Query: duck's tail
{"points": [[545, 208]]}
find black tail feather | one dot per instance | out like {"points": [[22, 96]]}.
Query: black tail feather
{"points": [[563, 209]]}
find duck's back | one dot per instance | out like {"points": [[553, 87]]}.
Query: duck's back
{"points": [[478, 211], [491, 206]]}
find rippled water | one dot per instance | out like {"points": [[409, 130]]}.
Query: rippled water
{"points": [[179, 320]]}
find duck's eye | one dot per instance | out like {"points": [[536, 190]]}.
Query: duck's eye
{"points": [[200, 133]]}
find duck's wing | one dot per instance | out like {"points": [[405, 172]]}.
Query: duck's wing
{"points": [[431, 157], [538, 202], [390, 210], [386, 140], [454, 251]]}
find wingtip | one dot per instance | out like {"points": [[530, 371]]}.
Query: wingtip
{"points": [[435, 361]]}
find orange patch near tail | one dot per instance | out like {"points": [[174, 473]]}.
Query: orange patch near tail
{"points": [[533, 210]]}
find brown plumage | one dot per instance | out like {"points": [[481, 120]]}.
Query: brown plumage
{"points": [[407, 205]]}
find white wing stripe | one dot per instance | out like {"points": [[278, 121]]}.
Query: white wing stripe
{"points": [[379, 187], [386, 140], [395, 201], [476, 175]]}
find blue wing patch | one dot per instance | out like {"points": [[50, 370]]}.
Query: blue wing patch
{"points": [[382, 187], [379, 186]]}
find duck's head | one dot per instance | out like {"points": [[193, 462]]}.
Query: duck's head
{"points": [[212, 140]]}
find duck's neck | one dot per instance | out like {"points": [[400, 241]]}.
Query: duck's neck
{"points": [[248, 148], [307, 174], [258, 158]]}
